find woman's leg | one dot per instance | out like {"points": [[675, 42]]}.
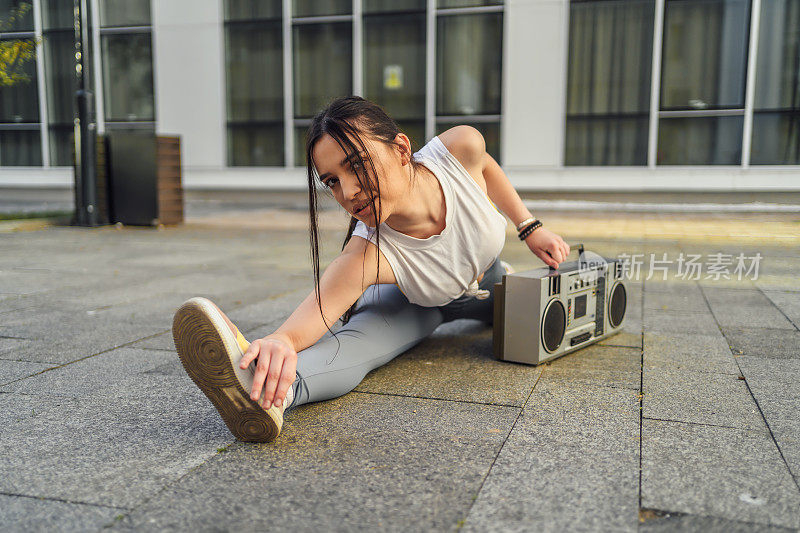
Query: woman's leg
{"points": [[383, 325], [472, 307]]}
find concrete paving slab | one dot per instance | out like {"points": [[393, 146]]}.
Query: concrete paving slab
{"points": [[745, 308], [717, 472], [570, 463], [110, 369], [668, 322], [626, 338], [10, 347], [14, 370], [455, 362], [357, 462], [787, 302], [658, 522], [26, 513], [701, 398], [688, 352], [597, 365], [116, 447], [684, 302], [773, 383], [764, 342]]}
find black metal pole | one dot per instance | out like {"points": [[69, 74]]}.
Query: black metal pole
{"points": [[85, 125]]}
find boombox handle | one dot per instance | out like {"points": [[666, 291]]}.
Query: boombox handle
{"points": [[580, 254]]}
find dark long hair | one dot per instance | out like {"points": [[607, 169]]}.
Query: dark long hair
{"points": [[347, 120]]}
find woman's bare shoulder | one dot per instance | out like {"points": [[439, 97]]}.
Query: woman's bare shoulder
{"points": [[466, 144], [361, 253]]}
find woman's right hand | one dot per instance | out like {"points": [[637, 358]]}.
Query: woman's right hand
{"points": [[277, 362]]}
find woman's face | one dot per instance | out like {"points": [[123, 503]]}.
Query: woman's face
{"points": [[337, 171]]}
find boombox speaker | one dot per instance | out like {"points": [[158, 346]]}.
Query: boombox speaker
{"points": [[544, 313]]}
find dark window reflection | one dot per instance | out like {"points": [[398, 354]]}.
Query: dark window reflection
{"points": [[394, 64], [608, 87], [20, 147], [20, 101], [128, 77], [700, 141], [467, 3], [255, 145], [776, 121], [468, 64], [248, 10], [704, 54], [384, 6], [21, 11], [312, 8], [59, 65], [125, 13], [323, 65]]}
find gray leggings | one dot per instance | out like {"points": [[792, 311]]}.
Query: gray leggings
{"points": [[383, 325]]}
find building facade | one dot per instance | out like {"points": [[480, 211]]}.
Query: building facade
{"points": [[570, 95]]}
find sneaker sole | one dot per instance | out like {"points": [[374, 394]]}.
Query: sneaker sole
{"points": [[205, 346]]}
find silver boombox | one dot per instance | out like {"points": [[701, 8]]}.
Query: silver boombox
{"points": [[544, 313]]}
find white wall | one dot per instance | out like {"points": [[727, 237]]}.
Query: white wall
{"points": [[534, 83], [189, 78]]}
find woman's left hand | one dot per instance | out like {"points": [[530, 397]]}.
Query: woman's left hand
{"points": [[548, 246]]}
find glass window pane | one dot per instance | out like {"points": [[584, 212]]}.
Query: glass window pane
{"points": [[57, 14], [125, 12], [59, 61], [467, 3], [383, 6], [254, 67], [705, 54], [394, 64], [776, 139], [775, 134], [604, 140], [323, 65], [610, 57], [300, 145], [20, 101], [61, 145], [468, 64], [255, 145], [313, 8], [489, 130], [128, 77], [252, 9], [700, 141], [20, 148], [21, 11]]}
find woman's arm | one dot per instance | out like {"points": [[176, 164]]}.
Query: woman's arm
{"points": [[341, 284], [469, 147]]}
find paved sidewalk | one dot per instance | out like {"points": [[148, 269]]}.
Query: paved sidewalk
{"points": [[686, 420]]}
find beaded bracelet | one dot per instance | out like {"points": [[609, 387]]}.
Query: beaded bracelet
{"points": [[523, 234]]}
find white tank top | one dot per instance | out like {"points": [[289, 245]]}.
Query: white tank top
{"points": [[437, 270]]}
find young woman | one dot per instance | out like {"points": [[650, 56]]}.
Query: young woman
{"points": [[427, 246]]}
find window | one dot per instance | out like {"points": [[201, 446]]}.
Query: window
{"points": [[468, 73], [59, 63], [776, 109], [703, 81], [608, 82], [394, 68], [323, 70], [127, 59], [254, 75], [20, 136]]}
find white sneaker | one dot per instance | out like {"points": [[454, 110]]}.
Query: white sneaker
{"points": [[210, 352]]}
